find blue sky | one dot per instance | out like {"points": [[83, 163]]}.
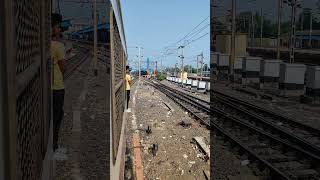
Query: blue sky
{"points": [[154, 24]]}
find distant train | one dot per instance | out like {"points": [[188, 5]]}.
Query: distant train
{"points": [[86, 34], [192, 83]]}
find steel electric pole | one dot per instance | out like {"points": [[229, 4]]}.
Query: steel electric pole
{"points": [[214, 25], [182, 57], [95, 38], [201, 72], [301, 29], [310, 31], [293, 29], [197, 66], [252, 26], [279, 28], [139, 48], [261, 27], [233, 37]]}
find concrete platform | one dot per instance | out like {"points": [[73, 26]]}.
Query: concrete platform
{"points": [[83, 132]]}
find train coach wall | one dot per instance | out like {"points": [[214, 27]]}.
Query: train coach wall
{"points": [[117, 66], [25, 83]]}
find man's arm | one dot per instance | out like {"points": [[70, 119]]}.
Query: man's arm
{"points": [[61, 64], [130, 80], [61, 58]]}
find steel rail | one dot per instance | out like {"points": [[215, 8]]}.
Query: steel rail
{"points": [[187, 103], [258, 108], [269, 118], [73, 63], [278, 166]]}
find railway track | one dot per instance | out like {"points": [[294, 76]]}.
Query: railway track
{"points": [[104, 54], [197, 107], [302, 135], [277, 152], [83, 52]]}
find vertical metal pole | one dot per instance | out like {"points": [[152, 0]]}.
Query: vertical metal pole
{"points": [[201, 72], [197, 65], [279, 28], [310, 31], [251, 28], [252, 25], [293, 21], [182, 63], [249, 31], [175, 69], [95, 38], [161, 64], [182, 57], [139, 63], [261, 27], [214, 25], [233, 38], [154, 67], [301, 29]]}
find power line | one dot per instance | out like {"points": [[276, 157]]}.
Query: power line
{"points": [[192, 34], [198, 32], [195, 39], [192, 30]]}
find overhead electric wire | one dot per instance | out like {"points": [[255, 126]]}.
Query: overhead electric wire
{"points": [[198, 32], [195, 40], [191, 31]]}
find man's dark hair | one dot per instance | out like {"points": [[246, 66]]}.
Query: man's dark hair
{"points": [[56, 19], [127, 67]]}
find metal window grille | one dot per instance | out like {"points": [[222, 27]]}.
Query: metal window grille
{"points": [[118, 85], [28, 67]]}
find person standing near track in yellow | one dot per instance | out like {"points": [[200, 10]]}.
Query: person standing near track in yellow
{"points": [[58, 91], [128, 87]]}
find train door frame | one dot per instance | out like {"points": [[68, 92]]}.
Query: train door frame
{"points": [[7, 104]]}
